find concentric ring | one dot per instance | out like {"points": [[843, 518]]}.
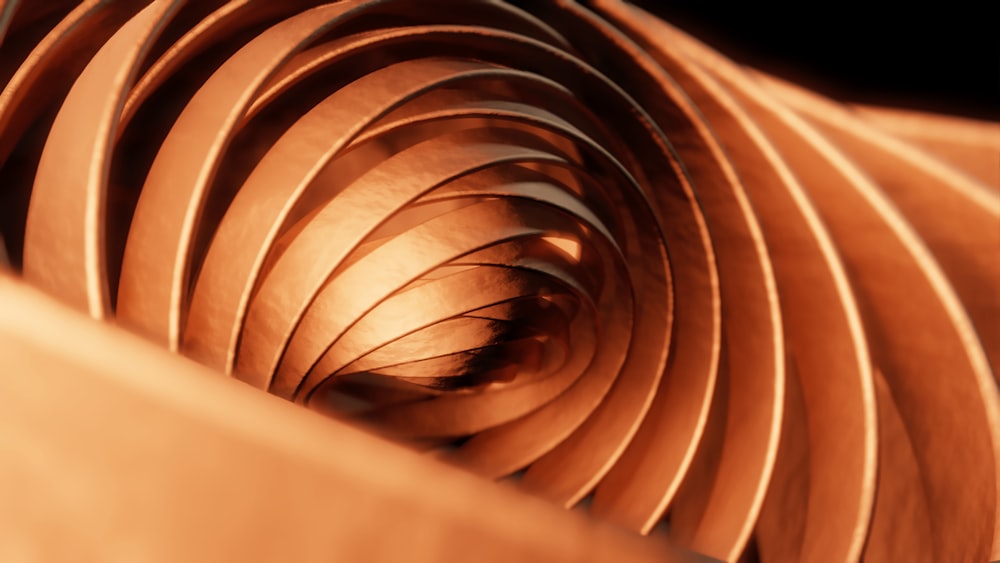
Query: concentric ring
{"points": [[560, 244]]}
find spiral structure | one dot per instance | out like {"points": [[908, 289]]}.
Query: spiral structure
{"points": [[560, 244]]}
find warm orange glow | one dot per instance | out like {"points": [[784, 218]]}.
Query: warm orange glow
{"points": [[562, 245], [571, 247]]}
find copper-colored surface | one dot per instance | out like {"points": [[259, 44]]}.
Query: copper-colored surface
{"points": [[169, 463], [563, 246]]}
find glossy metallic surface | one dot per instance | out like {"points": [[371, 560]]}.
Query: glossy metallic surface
{"points": [[564, 246]]}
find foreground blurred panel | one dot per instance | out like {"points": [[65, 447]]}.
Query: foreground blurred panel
{"points": [[113, 450]]}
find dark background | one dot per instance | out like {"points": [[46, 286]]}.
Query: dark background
{"points": [[944, 58]]}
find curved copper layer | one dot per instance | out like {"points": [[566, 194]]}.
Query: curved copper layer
{"points": [[566, 246]]}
